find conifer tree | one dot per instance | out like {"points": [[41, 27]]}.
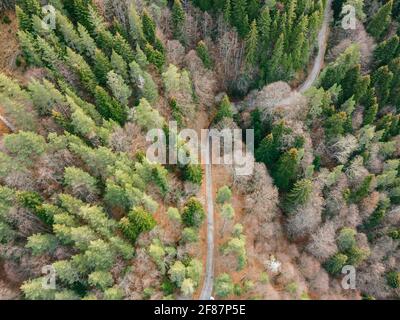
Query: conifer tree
{"points": [[252, 45], [149, 27], [119, 65], [287, 169], [240, 17], [386, 51], [382, 80], [108, 107], [204, 55], [135, 24], [27, 43], [394, 67], [264, 28], [178, 20], [227, 11], [300, 193], [381, 21], [122, 47], [224, 110], [117, 85], [102, 66]]}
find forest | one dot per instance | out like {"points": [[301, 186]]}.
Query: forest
{"points": [[85, 215]]}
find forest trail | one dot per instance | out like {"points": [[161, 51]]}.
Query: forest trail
{"points": [[208, 284], [322, 45]]}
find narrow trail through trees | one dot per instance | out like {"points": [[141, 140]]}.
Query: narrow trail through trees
{"points": [[208, 284]]}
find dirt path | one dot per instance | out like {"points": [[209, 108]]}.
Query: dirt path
{"points": [[322, 44], [209, 277], [206, 292]]}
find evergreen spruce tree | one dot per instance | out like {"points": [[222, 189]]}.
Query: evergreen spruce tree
{"points": [[122, 47], [239, 17], [394, 67], [27, 43], [253, 7], [287, 169], [108, 107], [178, 20], [299, 194], [381, 21], [149, 27], [202, 52], [227, 11], [382, 81], [102, 66], [252, 45], [386, 51]]}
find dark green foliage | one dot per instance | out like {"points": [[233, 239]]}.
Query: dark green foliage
{"points": [[202, 52], [393, 279], [108, 107], [149, 27], [386, 51], [193, 213], [380, 21], [382, 80], [176, 111], [287, 169], [299, 194], [193, 173], [154, 56], [334, 125], [178, 20], [224, 110], [102, 67], [138, 221], [377, 216], [335, 264], [362, 191]]}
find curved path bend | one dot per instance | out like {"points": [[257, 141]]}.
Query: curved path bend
{"points": [[208, 284]]}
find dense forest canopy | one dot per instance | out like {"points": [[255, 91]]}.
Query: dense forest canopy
{"points": [[79, 196]]}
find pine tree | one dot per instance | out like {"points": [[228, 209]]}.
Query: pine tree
{"points": [[69, 34], [149, 27], [178, 20], [24, 21], [108, 107], [382, 80], [299, 194], [253, 6], [27, 43], [140, 57], [240, 17], [264, 28], [117, 85], [154, 56], [381, 21], [227, 11], [122, 47], [87, 44], [224, 110], [135, 25], [252, 45], [287, 169], [275, 68], [394, 67], [119, 65], [202, 52], [102, 66], [386, 51], [82, 69]]}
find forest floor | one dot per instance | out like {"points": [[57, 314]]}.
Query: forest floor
{"points": [[8, 52]]}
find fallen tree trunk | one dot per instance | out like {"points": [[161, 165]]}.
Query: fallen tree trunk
{"points": [[7, 124]]}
